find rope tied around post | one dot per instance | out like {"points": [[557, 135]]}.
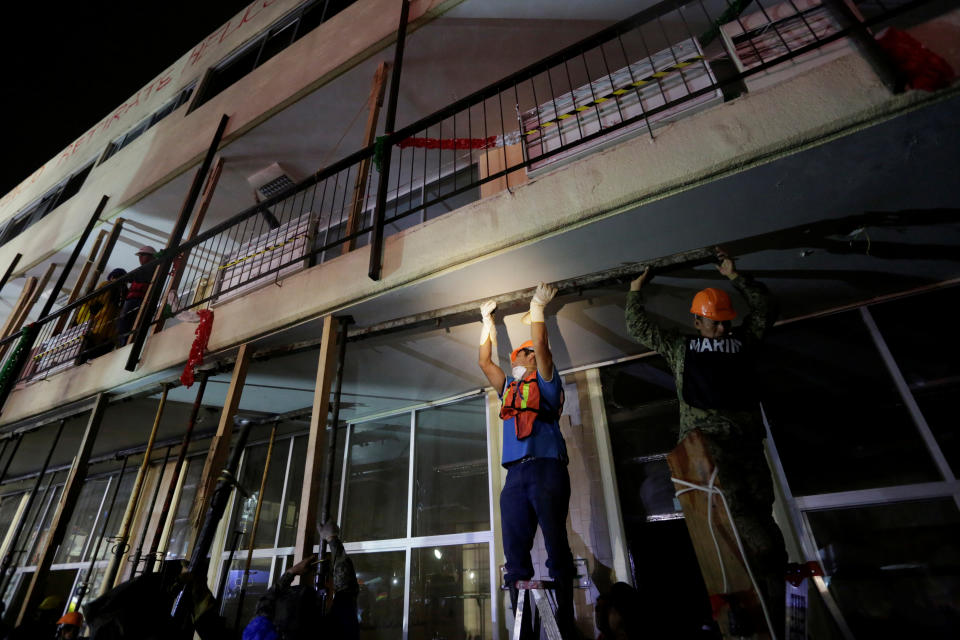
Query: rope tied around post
{"points": [[711, 491]]}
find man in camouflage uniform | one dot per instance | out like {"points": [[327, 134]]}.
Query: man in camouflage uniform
{"points": [[716, 391]]}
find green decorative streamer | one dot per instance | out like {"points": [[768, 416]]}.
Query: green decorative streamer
{"points": [[11, 369]]}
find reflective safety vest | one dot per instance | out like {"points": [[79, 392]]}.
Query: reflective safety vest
{"points": [[521, 401]]}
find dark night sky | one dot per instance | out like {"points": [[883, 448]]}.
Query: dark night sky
{"points": [[68, 64]]}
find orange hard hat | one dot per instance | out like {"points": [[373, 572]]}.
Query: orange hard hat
{"points": [[74, 618], [526, 345], [714, 304]]}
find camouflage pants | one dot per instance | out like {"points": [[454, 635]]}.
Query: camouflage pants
{"points": [[745, 478]]}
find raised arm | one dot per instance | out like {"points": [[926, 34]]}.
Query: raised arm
{"points": [[642, 329], [762, 305], [538, 329], [487, 337]]}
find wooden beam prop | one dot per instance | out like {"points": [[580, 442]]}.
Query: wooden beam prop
{"points": [[23, 312], [374, 102], [692, 463], [313, 467], [180, 262], [13, 320], [169, 500], [220, 445], [105, 255], [68, 500], [78, 285], [124, 533], [150, 300]]}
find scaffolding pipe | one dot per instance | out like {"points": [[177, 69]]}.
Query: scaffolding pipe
{"points": [[16, 445], [15, 540], [110, 575], [9, 271], [85, 585], [253, 528], [178, 466]]}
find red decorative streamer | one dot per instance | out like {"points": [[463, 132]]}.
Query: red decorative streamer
{"points": [[199, 347], [923, 69], [449, 143]]}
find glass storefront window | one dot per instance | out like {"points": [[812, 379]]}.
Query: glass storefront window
{"points": [[181, 530], [380, 600], [375, 499], [450, 592], [893, 568], [451, 488], [244, 508], [81, 521], [116, 514], [257, 584], [837, 419], [290, 514], [930, 364], [40, 539], [8, 510]]}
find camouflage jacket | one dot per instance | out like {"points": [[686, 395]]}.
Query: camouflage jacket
{"points": [[344, 580], [670, 344]]}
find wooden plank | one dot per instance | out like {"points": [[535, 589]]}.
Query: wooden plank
{"points": [[105, 255], [24, 311], [691, 461], [220, 445], [180, 262], [68, 500], [124, 534], [316, 441], [497, 160], [374, 102], [78, 285], [11, 326]]}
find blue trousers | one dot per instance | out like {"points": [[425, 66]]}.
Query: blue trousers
{"points": [[536, 492]]}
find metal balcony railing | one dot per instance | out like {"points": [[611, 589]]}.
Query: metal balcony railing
{"points": [[659, 65]]}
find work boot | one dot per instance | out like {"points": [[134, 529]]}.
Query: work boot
{"points": [[528, 631], [566, 620]]}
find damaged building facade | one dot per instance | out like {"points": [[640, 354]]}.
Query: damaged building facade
{"points": [[333, 187]]}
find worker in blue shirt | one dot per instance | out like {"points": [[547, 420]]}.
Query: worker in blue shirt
{"points": [[537, 489]]}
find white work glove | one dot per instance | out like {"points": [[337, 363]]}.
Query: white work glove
{"points": [[541, 297], [489, 329], [328, 530]]}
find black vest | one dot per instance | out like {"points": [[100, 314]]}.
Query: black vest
{"points": [[719, 373]]}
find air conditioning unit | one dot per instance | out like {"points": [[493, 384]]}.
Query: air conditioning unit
{"points": [[272, 180]]}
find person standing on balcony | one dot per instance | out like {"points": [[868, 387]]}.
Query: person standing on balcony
{"points": [[101, 313], [716, 389], [537, 490], [139, 286]]}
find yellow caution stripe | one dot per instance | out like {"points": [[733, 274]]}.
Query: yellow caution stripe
{"points": [[272, 247], [59, 347], [657, 75]]}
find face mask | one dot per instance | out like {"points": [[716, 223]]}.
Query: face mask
{"points": [[519, 372]]}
